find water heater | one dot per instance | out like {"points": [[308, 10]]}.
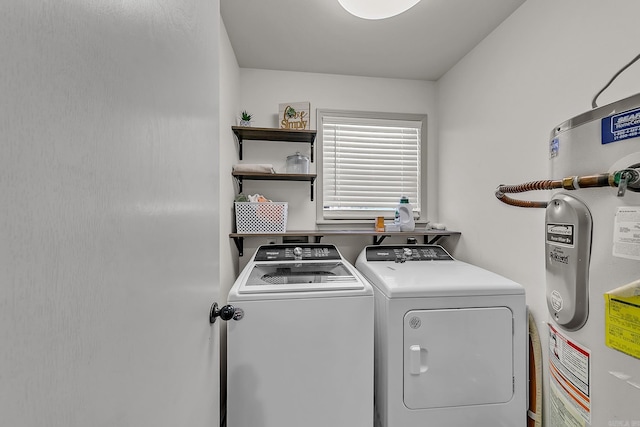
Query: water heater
{"points": [[593, 270]]}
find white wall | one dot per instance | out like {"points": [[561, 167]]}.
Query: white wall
{"points": [[497, 108], [261, 92], [229, 101], [228, 155], [109, 234]]}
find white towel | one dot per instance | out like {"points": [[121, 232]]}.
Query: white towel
{"points": [[255, 168]]}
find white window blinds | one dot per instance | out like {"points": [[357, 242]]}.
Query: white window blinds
{"points": [[368, 164]]}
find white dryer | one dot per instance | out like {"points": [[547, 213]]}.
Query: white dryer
{"points": [[301, 353], [451, 340]]}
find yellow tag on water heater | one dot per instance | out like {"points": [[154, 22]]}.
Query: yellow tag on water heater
{"points": [[622, 319]]}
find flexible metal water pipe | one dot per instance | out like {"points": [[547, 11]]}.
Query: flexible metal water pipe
{"points": [[624, 179]]}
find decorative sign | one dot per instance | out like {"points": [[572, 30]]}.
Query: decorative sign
{"points": [[294, 115]]}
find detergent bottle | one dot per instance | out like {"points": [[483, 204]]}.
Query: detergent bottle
{"points": [[405, 212]]}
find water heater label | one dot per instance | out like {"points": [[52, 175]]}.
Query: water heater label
{"points": [[569, 378], [626, 233], [560, 234], [556, 300], [622, 319], [621, 126], [554, 147]]}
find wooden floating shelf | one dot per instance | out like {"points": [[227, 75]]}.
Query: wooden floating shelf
{"points": [[244, 133], [429, 236], [241, 176]]}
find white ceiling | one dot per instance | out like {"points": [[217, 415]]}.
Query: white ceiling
{"points": [[320, 36]]}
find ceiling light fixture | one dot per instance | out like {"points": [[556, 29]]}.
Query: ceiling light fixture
{"points": [[377, 9]]}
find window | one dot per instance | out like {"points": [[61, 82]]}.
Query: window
{"points": [[367, 161]]}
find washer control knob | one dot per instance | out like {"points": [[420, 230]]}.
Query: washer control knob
{"points": [[297, 252], [407, 252]]}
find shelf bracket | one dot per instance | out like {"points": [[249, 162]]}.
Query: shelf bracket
{"points": [[239, 241], [433, 241], [239, 137], [239, 181], [312, 141], [311, 183], [378, 239]]}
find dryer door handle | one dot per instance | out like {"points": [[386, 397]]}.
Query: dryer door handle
{"points": [[417, 360]]}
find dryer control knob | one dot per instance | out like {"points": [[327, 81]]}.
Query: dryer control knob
{"points": [[297, 252]]}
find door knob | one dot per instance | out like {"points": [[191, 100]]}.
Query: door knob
{"points": [[227, 312]]}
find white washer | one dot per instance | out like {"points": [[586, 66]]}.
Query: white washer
{"points": [[302, 353], [451, 340]]}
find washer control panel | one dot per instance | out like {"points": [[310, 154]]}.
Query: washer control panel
{"points": [[296, 252], [408, 253]]}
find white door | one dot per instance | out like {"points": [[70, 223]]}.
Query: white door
{"points": [[109, 234]]}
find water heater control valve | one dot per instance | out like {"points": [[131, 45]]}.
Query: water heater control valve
{"points": [[628, 179]]}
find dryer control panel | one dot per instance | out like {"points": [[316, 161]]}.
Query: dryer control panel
{"points": [[408, 253], [297, 252]]}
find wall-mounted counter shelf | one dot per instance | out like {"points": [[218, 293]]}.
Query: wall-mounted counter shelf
{"points": [[272, 134], [240, 176], [429, 236]]}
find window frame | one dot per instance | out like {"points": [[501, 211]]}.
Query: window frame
{"points": [[320, 113]]}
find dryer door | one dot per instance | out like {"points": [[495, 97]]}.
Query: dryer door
{"points": [[458, 357]]}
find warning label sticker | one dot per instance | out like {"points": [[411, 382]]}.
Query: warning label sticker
{"points": [[569, 376], [562, 412], [626, 233], [622, 319]]}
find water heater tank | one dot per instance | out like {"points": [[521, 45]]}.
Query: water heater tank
{"points": [[593, 243]]}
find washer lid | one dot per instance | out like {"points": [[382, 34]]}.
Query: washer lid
{"points": [[299, 277]]}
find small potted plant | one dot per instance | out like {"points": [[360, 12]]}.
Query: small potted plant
{"points": [[290, 112], [245, 119]]}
